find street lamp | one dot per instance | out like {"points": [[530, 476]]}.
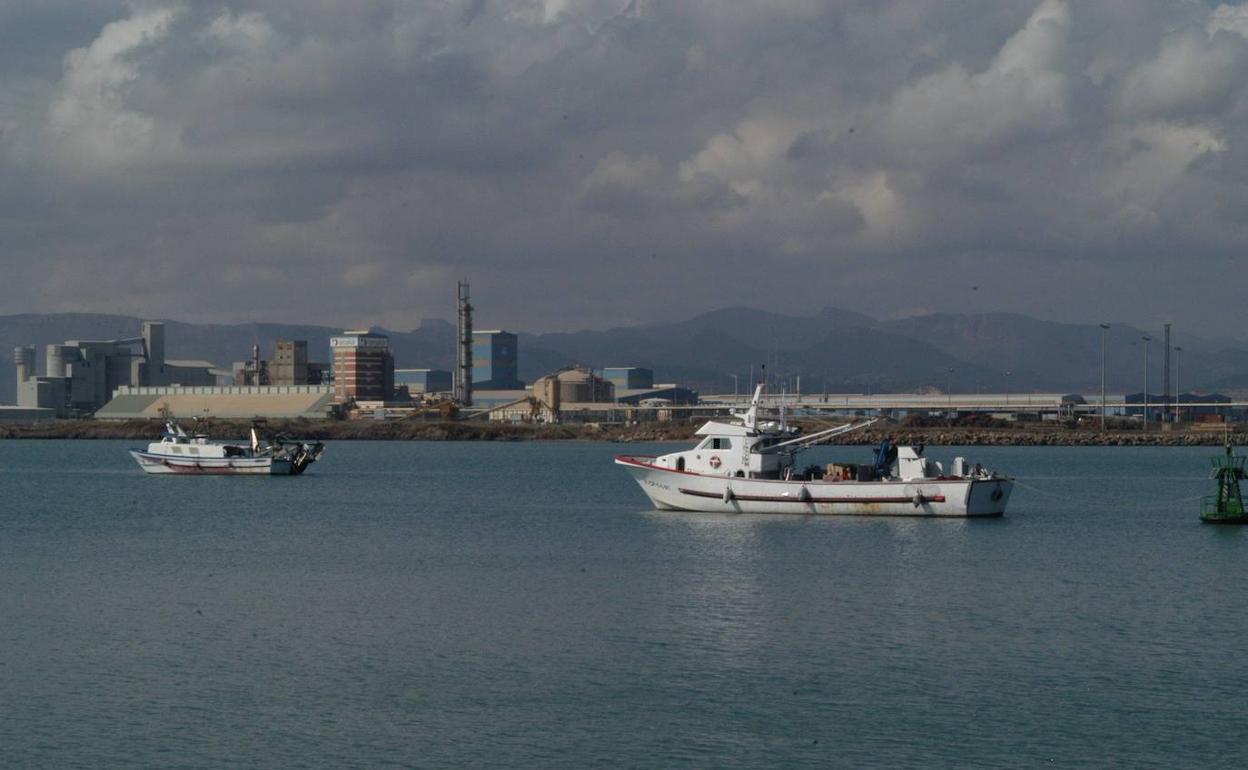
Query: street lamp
{"points": [[1104, 328], [949, 390], [1147, 339], [735, 389], [1178, 383], [1007, 389]]}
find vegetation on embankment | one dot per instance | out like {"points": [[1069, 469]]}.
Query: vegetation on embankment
{"points": [[907, 432]]}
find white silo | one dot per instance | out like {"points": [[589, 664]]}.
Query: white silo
{"points": [[24, 360], [56, 359]]}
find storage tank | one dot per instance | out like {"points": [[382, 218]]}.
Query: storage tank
{"points": [[547, 389], [576, 385], [24, 360], [573, 386], [58, 356]]}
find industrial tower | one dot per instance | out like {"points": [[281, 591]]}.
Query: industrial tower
{"points": [[463, 349]]}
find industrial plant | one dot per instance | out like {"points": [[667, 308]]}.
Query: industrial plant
{"points": [[133, 378], [82, 375]]}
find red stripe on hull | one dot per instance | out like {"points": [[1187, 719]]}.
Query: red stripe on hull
{"points": [[217, 471], [791, 499]]}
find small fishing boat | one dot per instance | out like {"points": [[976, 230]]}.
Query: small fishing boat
{"points": [[1227, 506], [748, 466], [193, 454]]}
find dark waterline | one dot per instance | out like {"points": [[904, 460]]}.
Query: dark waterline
{"points": [[517, 605]]}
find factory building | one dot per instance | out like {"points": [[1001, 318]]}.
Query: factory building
{"points": [[82, 374], [290, 363], [252, 372], [629, 377], [363, 366], [289, 366], [420, 381], [574, 385], [495, 360]]}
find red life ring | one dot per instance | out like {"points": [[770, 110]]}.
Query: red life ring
{"points": [[715, 461]]}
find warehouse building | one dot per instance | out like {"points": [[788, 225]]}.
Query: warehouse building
{"points": [[228, 401]]}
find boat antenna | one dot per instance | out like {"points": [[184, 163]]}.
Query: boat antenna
{"points": [[750, 416]]}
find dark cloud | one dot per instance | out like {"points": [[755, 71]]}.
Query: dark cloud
{"points": [[592, 162]]}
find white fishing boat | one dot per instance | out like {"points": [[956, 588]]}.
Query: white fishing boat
{"points": [[193, 454], [748, 466]]}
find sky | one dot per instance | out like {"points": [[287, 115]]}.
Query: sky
{"points": [[593, 163]]}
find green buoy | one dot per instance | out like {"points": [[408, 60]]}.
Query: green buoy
{"points": [[1227, 506]]}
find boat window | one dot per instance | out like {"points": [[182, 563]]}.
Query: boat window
{"points": [[176, 449], [194, 450], [721, 443]]}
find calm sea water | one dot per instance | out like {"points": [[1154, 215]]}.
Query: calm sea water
{"points": [[450, 605]]}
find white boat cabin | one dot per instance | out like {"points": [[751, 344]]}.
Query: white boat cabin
{"points": [[178, 443], [730, 450], [750, 449]]}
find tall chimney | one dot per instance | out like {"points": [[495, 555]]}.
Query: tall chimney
{"points": [[463, 351]]}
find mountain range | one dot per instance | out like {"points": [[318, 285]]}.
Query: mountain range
{"points": [[832, 351]]}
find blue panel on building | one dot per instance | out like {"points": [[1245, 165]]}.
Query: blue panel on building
{"points": [[495, 360]]}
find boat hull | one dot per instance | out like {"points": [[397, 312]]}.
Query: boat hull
{"points": [[211, 466], [946, 497]]}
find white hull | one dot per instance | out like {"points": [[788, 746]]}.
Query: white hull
{"points": [[671, 489], [152, 462]]}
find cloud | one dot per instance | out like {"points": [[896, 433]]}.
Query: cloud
{"points": [[634, 158], [1233, 18], [92, 116], [1155, 156], [248, 33], [1024, 90], [1193, 73]]}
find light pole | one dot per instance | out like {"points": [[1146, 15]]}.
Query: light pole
{"points": [[1147, 339], [1104, 328], [735, 389], [949, 391], [1178, 383], [1007, 389]]}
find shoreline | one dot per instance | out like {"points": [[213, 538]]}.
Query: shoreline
{"points": [[410, 430]]}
